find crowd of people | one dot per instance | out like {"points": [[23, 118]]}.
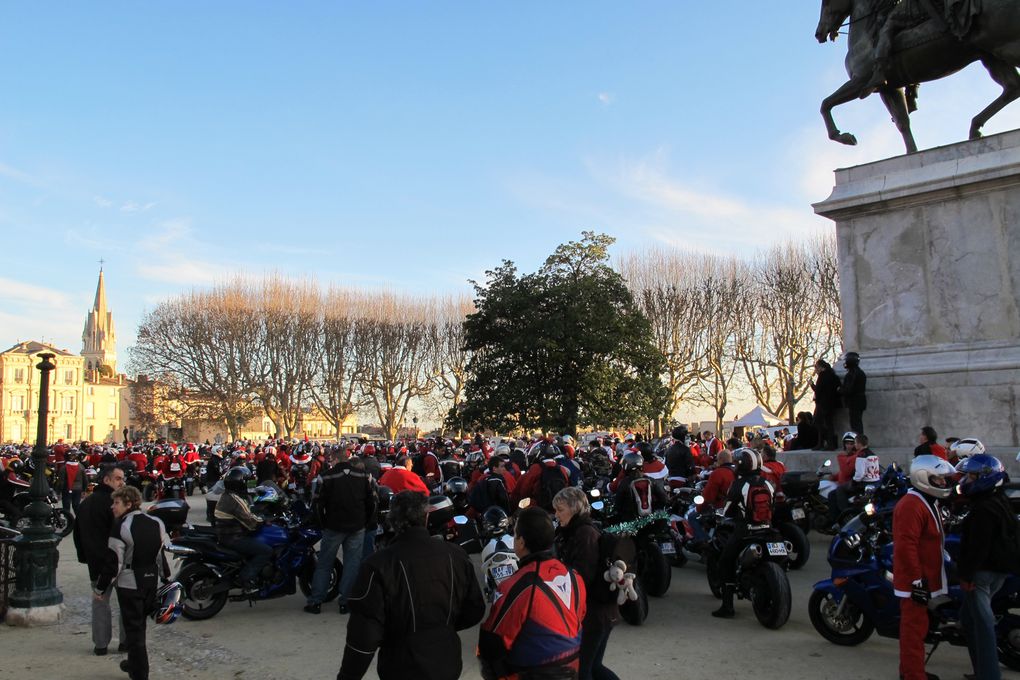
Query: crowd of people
{"points": [[553, 618]]}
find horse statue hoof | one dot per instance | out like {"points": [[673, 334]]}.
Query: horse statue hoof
{"points": [[847, 138]]}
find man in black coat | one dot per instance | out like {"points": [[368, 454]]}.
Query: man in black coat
{"points": [[827, 400], [853, 391], [91, 539], [346, 506], [679, 460], [410, 600]]}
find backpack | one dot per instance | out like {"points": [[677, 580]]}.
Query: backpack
{"points": [[641, 490], [488, 492], [758, 502], [418, 465], [551, 483]]}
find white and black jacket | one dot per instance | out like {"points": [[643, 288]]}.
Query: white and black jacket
{"points": [[134, 556]]}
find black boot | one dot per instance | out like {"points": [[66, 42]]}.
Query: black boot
{"points": [[726, 610]]}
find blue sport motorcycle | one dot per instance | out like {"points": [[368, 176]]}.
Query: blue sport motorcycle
{"points": [[858, 599], [210, 572]]}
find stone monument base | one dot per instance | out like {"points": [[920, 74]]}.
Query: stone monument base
{"points": [[35, 616], [929, 263]]}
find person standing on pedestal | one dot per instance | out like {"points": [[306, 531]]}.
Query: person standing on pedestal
{"points": [[826, 389], [853, 391]]}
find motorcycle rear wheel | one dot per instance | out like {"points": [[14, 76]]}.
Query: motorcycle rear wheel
{"points": [[199, 604], [852, 628], [771, 595], [657, 573], [635, 612], [305, 579], [801, 546]]}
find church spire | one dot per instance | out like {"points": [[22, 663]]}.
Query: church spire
{"points": [[99, 340]]}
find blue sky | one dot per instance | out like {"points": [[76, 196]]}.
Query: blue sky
{"points": [[408, 146]]}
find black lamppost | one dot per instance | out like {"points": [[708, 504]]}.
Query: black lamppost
{"points": [[36, 600]]}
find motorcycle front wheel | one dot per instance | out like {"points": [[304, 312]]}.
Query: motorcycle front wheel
{"points": [[200, 602], [771, 595], [305, 579], [848, 627], [635, 612], [1009, 641], [63, 522]]}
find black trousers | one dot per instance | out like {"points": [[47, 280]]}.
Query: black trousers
{"points": [[826, 428], [134, 605], [857, 420]]}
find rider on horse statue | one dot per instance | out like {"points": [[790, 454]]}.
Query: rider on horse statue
{"points": [[955, 16]]}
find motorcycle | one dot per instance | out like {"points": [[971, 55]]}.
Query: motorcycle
{"points": [[499, 561], [171, 487], [654, 540], [858, 599], [634, 612], [210, 573], [760, 571], [61, 520], [804, 505]]}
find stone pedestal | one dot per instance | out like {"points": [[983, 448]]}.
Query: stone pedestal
{"points": [[929, 264]]}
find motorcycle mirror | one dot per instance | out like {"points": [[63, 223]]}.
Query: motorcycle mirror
{"points": [[594, 493], [699, 499], [460, 519], [598, 505], [525, 502]]}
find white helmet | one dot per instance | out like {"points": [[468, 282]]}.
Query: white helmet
{"points": [[928, 475], [967, 447]]}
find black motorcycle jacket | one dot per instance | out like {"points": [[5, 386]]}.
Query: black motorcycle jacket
{"points": [[410, 600]]}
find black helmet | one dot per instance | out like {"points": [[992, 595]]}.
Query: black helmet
{"points": [[456, 485], [236, 480], [632, 462], [495, 521], [646, 451], [746, 460], [852, 359], [679, 433]]}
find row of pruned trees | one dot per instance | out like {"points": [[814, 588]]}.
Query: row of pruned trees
{"points": [[281, 347], [730, 327]]}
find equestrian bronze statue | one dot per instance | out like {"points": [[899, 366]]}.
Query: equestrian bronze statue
{"points": [[896, 44]]}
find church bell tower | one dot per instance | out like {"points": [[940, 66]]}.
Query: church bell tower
{"points": [[99, 340]]}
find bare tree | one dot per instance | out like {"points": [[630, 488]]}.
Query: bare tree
{"points": [[785, 328], [398, 347], [337, 367], [451, 355], [667, 287]]}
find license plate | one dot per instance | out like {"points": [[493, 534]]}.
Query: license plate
{"points": [[776, 549], [798, 513], [667, 548], [502, 572]]}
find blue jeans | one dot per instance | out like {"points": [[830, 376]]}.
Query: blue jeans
{"points": [[353, 542], [256, 553], [70, 501], [369, 546], [694, 519], [979, 624]]}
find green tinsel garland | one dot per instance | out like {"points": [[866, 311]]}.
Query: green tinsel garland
{"points": [[628, 528]]}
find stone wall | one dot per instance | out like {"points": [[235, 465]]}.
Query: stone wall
{"points": [[929, 252]]}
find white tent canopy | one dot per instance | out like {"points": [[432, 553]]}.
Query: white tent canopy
{"points": [[757, 417]]}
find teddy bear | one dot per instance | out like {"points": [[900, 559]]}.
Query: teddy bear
{"points": [[621, 582]]}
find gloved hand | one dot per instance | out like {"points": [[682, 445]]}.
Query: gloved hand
{"points": [[919, 592]]}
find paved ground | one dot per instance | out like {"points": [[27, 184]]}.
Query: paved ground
{"points": [[276, 640]]}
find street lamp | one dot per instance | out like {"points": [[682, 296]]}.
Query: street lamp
{"points": [[415, 421], [36, 600]]}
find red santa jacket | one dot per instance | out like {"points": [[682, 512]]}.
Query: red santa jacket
{"points": [[718, 486], [917, 545], [401, 479]]}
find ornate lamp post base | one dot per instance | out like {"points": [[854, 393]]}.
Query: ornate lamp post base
{"points": [[36, 600]]}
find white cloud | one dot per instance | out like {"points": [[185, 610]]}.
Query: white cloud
{"points": [[172, 254], [102, 202], [36, 313], [133, 207], [606, 98]]}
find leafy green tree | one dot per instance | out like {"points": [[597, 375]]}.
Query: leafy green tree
{"points": [[560, 348]]}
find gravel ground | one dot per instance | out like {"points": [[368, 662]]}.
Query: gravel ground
{"points": [[276, 640]]}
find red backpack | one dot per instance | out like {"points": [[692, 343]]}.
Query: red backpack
{"points": [[641, 489], [758, 502]]}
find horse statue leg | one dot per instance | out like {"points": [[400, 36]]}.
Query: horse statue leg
{"points": [[896, 102], [850, 91], [1005, 75]]}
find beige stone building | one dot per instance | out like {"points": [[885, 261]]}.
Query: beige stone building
{"points": [[87, 401]]}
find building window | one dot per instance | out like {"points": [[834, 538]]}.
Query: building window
{"points": [[18, 402], [91, 391], [19, 375], [68, 432], [16, 434], [92, 433], [111, 410], [67, 403], [69, 377], [90, 410]]}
